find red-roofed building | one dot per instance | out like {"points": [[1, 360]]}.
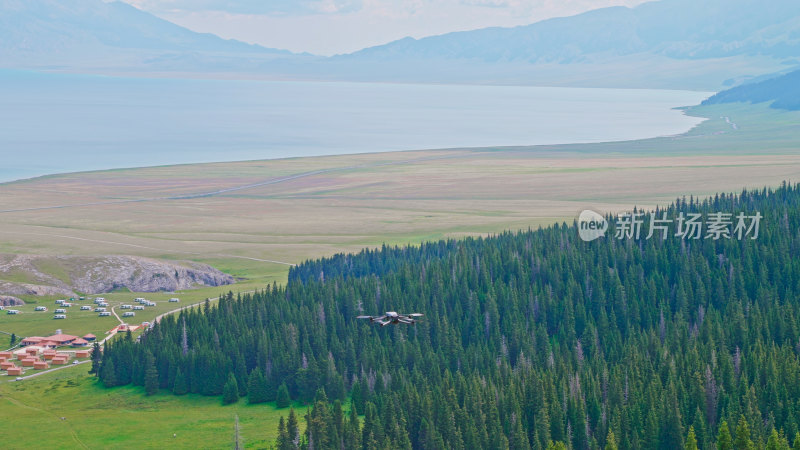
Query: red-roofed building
{"points": [[31, 340], [90, 337], [14, 371], [79, 343], [61, 339]]}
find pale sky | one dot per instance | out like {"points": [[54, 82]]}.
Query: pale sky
{"points": [[327, 27]]}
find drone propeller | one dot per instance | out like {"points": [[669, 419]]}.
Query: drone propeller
{"points": [[364, 317], [386, 322], [406, 321], [415, 315]]}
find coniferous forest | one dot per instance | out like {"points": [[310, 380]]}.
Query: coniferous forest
{"points": [[532, 339]]}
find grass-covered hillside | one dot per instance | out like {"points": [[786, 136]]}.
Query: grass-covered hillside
{"points": [[528, 338]]}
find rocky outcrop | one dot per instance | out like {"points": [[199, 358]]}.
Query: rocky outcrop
{"points": [[11, 288], [146, 275], [7, 300], [65, 275]]}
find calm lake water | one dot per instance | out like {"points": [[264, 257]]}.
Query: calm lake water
{"points": [[66, 123]]}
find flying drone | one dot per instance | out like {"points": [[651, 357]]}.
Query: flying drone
{"points": [[393, 318]]}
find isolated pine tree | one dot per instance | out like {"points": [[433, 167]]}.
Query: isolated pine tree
{"points": [[257, 387], [230, 392], [283, 400], [97, 357], [293, 428], [283, 442]]}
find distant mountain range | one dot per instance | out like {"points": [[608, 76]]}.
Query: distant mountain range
{"points": [[782, 92], [668, 44], [680, 29], [92, 35]]}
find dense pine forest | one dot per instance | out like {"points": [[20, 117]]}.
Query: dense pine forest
{"points": [[532, 339]]}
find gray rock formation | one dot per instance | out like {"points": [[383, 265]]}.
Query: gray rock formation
{"points": [[145, 275], [7, 300], [66, 275]]}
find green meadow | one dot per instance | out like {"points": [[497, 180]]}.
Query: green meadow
{"points": [[68, 409]]}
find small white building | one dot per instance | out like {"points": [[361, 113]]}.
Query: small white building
{"points": [[40, 308], [138, 308], [99, 310], [128, 314], [86, 308], [174, 300], [125, 306], [104, 314], [61, 311], [12, 311], [60, 316]]}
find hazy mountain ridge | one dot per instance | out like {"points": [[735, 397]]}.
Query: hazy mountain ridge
{"points": [[783, 92], [675, 28], [676, 44], [92, 33], [666, 44]]}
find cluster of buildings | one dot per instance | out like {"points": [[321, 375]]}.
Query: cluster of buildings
{"points": [[33, 357]]}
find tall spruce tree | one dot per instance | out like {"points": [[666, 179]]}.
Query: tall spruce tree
{"points": [[230, 392]]}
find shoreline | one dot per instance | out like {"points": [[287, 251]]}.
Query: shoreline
{"points": [[249, 121], [683, 109]]}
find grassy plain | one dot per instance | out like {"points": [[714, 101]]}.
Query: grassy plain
{"points": [[38, 323], [292, 209], [252, 218], [95, 417]]}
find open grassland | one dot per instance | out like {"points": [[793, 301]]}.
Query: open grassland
{"points": [[124, 417], [251, 219], [41, 323]]}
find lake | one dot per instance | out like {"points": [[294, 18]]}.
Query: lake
{"points": [[67, 123]]}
